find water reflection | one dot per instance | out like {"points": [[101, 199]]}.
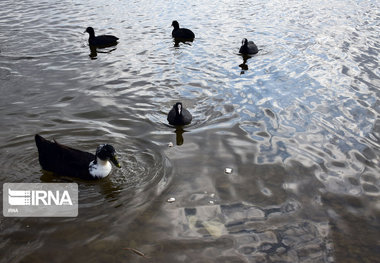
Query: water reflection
{"points": [[182, 40], [244, 65], [179, 135], [95, 50], [107, 187], [306, 111]]}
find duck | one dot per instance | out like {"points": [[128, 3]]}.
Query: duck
{"points": [[100, 41], [179, 116], [66, 161], [248, 47], [181, 33]]}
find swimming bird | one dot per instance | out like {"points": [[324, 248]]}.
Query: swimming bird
{"points": [[100, 41], [178, 115], [248, 47], [66, 161], [181, 33]]}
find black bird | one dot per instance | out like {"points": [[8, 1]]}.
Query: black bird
{"points": [[248, 47], [178, 115], [100, 41], [66, 161], [181, 33]]}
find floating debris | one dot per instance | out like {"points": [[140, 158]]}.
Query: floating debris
{"points": [[136, 252], [228, 170], [170, 144], [171, 200]]}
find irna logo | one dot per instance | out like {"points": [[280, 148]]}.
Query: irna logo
{"points": [[40, 199]]}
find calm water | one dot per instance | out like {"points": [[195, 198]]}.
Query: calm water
{"points": [[298, 123]]}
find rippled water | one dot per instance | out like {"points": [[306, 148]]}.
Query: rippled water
{"points": [[298, 123]]}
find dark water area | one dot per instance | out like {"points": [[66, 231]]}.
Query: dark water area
{"points": [[298, 123]]}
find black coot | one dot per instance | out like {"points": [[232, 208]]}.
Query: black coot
{"points": [[178, 115], [100, 41], [181, 33], [248, 47]]}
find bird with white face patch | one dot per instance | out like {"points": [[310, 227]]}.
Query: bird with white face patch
{"points": [[66, 161], [178, 115]]}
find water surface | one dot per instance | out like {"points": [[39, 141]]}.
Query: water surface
{"points": [[298, 123]]}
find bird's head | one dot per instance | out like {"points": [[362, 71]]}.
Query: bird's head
{"points": [[90, 30], [106, 152], [175, 24]]}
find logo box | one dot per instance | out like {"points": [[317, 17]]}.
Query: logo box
{"points": [[40, 199]]}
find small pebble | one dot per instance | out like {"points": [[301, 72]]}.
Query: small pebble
{"points": [[212, 195], [211, 202], [171, 200], [228, 170], [170, 144]]}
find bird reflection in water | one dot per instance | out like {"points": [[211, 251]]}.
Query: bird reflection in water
{"points": [[95, 50], [182, 40], [244, 65], [107, 187], [179, 137]]}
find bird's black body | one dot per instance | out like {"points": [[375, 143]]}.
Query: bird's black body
{"points": [[181, 33], [248, 47], [179, 115], [66, 161], [100, 41]]}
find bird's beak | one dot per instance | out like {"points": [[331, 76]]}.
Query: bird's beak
{"points": [[115, 161]]}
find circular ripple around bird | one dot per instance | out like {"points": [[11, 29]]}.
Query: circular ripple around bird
{"points": [[145, 171]]}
